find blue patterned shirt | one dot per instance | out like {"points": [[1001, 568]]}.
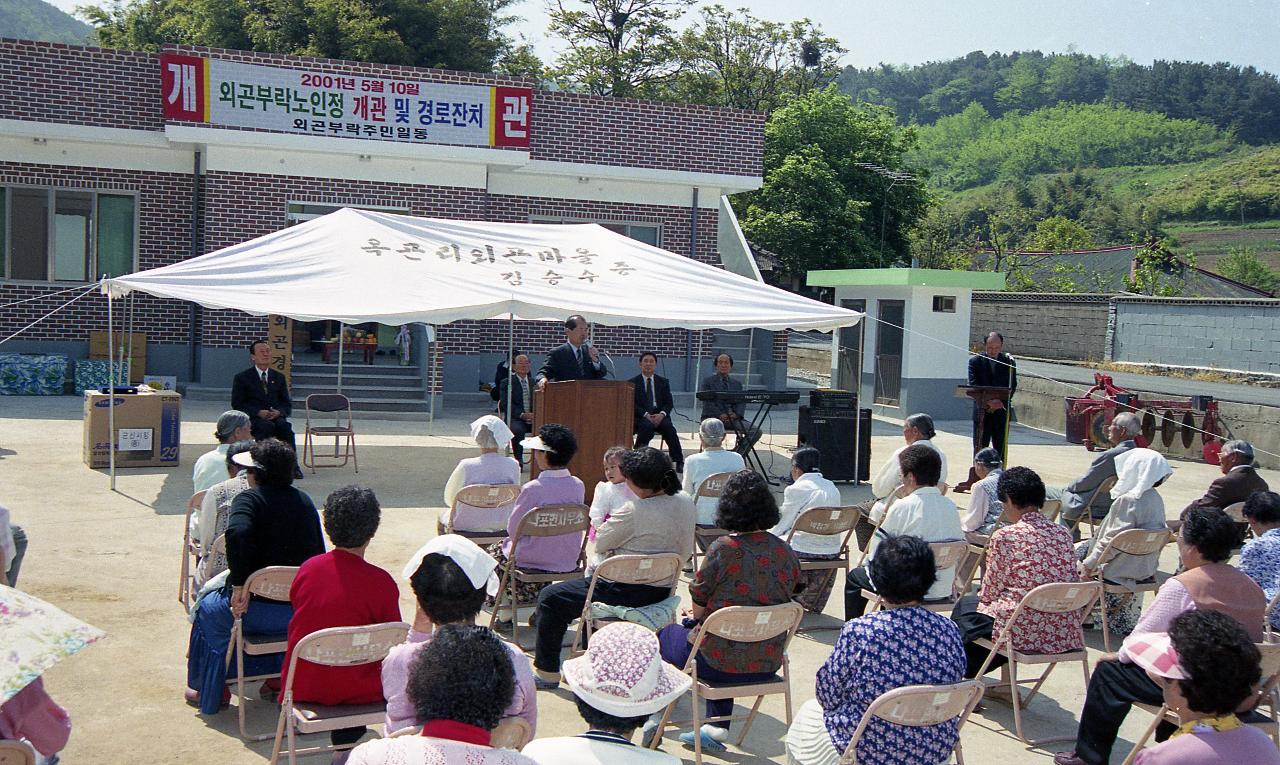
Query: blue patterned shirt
{"points": [[1260, 560], [877, 653]]}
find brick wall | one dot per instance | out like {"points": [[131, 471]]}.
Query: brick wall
{"points": [[1047, 326], [164, 236], [1226, 334]]}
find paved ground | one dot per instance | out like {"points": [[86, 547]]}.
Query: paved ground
{"points": [[112, 559]]}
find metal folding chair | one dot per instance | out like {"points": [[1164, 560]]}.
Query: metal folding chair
{"points": [[653, 570], [919, 706], [335, 404], [273, 582], [190, 553], [946, 555], [546, 521], [828, 522], [1131, 542], [712, 486], [478, 498]]}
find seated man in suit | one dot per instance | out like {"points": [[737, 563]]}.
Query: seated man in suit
{"points": [[1121, 432], [262, 393], [521, 419], [653, 409], [575, 359], [732, 415], [1239, 479]]}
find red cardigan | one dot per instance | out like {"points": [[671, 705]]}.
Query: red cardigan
{"points": [[338, 589]]}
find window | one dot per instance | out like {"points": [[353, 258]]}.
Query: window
{"points": [[649, 233], [304, 211], [66, 235], [944, 303]]}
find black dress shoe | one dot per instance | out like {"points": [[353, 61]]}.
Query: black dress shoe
{"points": [[1067, 758]]}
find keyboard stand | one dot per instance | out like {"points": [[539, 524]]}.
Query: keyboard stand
{"points": [[751, 456]]}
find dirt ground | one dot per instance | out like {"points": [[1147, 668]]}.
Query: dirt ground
{"points": [[112, 559]]}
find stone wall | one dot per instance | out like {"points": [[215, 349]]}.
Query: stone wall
{"points": [[1227, 334], [1043, 325]]}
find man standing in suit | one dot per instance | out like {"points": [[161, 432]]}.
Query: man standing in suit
{"points": [[1239, 479], [522, 392], [1121, 432], [992, 369], [262, 393], [575, 360], [653, 409], [732, 415]]}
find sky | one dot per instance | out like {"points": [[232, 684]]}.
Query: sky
{"points": [[1242, 32]]}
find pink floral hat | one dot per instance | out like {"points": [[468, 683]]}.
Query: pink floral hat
{"points": [[623, 674], [1154, 652]]}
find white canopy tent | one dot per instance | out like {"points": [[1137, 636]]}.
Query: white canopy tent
{"points": [[358, 266]]}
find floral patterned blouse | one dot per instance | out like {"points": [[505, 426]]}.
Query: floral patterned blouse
{"points": [[753, 569], [1260, 560], [1021, 557], [877, 653]]}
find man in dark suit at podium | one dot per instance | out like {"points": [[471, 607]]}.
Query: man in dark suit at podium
{"points": [[575, 360], [262, 393], [522, 390], [993, 369], [653, 409]]}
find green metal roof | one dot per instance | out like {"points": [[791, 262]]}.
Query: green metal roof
{"points": [[906, 277]]}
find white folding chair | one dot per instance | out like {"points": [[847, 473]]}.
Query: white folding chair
{"points": [[1104, 489], [661, 569], [919, 706], [710, 487], [1054, 598], [946, 555], [827, 522], [1131, 542], [190, 553], [272, 582], [488, 499], [545, 521], [741, 624], [898, 493], [17, 753], [333, 647]]}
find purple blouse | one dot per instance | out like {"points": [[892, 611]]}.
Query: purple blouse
{"points": [[559, 553]]}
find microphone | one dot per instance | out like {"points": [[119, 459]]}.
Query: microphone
{"points": [[610, 366]]}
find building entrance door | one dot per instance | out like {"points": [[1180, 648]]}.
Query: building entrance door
{"points": [[889, 352]]}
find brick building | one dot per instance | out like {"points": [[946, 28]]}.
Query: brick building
{"points": [[117, 161]]}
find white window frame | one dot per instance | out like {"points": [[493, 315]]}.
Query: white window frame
{"points": [[93, 229], [602, 221]]}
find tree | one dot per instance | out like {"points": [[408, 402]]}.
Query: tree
{"points": [[943, 240], [1156, 271], [616, 47], [1243, 265], [452, 34], [732, 58], [818, 208], [1059, 234]]}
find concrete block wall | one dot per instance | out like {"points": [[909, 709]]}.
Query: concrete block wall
{"points": [[1043, 325], [1226, 334]]}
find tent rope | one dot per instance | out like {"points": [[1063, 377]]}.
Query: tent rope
{"points": [[43, 296], [89, 289]]}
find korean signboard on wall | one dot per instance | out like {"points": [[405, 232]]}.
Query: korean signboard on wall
{"points": [[234, 94]]}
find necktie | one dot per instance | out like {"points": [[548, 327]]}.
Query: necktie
{"points": [[648, 391], [524, 390], [582, 368], [264, 378]]}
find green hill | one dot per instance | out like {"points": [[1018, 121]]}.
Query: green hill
{"points": [[37, 20]]}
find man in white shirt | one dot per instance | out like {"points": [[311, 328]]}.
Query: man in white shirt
{"points": [[923, 513], [713, 458], [809, 490], [918, 428]]}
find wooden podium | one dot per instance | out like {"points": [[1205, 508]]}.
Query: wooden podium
{"points": [[981, 394], [601, 414]]}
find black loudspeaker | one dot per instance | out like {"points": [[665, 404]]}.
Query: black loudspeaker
{"points": [[833, 432]]}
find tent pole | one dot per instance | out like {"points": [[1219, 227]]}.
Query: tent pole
{"points": [[835, 359], [128, 334], [111, 397], [432, 370], [857, 400], [342, 331], [511, 364]]}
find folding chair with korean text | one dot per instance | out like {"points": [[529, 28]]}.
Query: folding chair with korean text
{"points": [[274, 583], [919, 706], [741, 624], [546, 521], [828, 522], [712, 486], [333, 647], [946, 555], [1131, 542], [479, 497], [868, 526], [1056, 598], [1104, 489], [654, 570], [17, 753], [190, 553]]}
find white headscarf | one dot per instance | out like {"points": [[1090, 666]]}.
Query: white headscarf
{"points": [[1137, 470], [477, 564], [501, 433]]}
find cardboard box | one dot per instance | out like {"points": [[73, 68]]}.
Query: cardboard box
{"points": [[137, 360], [148, 429]]}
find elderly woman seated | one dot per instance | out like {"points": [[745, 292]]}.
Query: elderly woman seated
{"points": [[553, 448], [659, 520], [490, 467], [232, 427], [449, 576], [713, 458], [341, 589], [272, 524], [1260, 558], [1029, 552], [916, 429], [984, 502], [618, 683], [1206, 583], [215, 511], [1136, 505], [1208, 668], [903, 644], [747, 567], [459, 685]]}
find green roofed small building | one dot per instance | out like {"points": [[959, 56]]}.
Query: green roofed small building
{"points": [[916, 336]]}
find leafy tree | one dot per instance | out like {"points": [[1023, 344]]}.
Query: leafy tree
{"points": [[1024, 85], [1156, 271], [942, 239], [732, 58], [453, 34], [818, 208], [1243, 265], [1059, 234], [617, 47]]}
